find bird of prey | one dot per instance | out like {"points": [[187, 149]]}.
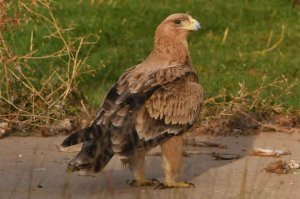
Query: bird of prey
{"points": [[151, 104]]}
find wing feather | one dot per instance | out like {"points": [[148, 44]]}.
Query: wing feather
{"points": [[134, 86], [160, 101], [177, 103]]}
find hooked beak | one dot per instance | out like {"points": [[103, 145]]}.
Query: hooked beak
{"points": [[193, 25]]}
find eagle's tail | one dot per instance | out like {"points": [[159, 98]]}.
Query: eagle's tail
{"points": [[78, 137], [96, 150]]}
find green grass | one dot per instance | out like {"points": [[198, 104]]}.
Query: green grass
{"points": [[126, 31]]}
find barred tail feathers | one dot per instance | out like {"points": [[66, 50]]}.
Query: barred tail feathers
{"points": [[95, 153]]}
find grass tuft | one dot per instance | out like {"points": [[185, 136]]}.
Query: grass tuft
{"points": [[58, 58]]}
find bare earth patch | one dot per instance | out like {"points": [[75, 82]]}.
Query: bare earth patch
{"points": [[32, 167]]}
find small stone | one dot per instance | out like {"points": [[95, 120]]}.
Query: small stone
{"points": [[39, 169], [4, 128]]}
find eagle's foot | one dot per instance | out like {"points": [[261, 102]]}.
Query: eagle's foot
{"points": [[142, 183], [175, 185]]}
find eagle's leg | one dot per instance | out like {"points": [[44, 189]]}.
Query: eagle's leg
{"points": [[171, 160], [137, 167]]}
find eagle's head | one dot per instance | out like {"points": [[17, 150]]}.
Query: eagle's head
{"points": [[177, 26]]}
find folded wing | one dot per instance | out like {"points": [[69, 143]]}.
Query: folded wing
{"points": [[144, 105]]}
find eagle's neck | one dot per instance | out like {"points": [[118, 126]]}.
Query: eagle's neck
{"points": [[171, 49]]}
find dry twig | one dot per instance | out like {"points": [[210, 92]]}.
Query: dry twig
{"points": [[27, 100]]}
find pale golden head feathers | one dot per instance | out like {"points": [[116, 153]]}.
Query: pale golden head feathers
{"points": [[171, 38], [177, 26]]}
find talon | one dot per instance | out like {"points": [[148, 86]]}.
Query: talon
{"points": [[192, 184], [160, 186], [141, 183], [132, 183], [175, 185], [155, 180]]}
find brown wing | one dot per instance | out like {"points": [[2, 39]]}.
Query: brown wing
{"points": [[138, 80], [177, 103], [133, 114], [133, 88], [171, 108]]}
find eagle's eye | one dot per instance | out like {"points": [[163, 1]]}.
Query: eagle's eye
{"points": [[177, 21]]}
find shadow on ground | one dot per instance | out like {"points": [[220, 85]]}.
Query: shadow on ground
{"points": [[33, 168]]}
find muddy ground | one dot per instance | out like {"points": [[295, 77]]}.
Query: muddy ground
{"points": [[32, 167]]}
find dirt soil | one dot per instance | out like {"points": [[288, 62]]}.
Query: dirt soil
{"points": [[32, 167]]}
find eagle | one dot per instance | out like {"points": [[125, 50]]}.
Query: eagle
{"points": [[152, 104]]}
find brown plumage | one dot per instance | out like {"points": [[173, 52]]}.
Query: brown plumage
{"points": [[152, 103]]}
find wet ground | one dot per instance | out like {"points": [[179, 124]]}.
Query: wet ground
{"points": [[32, 167]]}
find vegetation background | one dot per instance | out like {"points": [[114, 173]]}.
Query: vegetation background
{"points": [[59, 58]]}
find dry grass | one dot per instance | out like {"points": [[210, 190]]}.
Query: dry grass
{"points": [[27, 101], [247, 112]]}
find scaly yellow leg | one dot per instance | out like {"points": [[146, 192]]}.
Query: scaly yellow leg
{"points": [[136, 164], [171, 160]]}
